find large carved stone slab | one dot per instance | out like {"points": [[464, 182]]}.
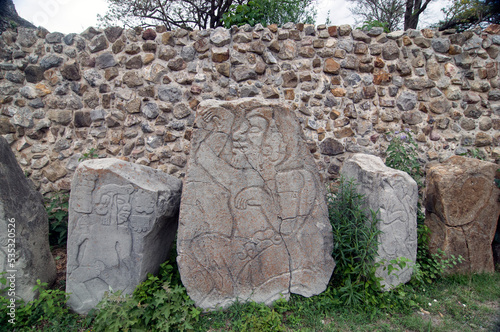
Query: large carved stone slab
{"points": [[462, 209], [24, 228], [395, 195], [122, 222], [254, 222]]}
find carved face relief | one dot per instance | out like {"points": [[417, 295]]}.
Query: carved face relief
{"points": [[113, 204]]}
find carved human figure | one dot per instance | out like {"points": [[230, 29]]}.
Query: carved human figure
{"points": [[263, 199], [108, 227]]}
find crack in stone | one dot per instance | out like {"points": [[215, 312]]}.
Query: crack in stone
{"points": [[467, 245], [289, 258]]}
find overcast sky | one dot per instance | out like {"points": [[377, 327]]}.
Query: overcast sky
{"points": [[76, 15]]}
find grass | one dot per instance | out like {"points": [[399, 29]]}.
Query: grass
{"points": [[453, 303]]}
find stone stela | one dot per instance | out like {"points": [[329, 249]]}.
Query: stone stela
{"points": [[122, 222], [254, 222]]}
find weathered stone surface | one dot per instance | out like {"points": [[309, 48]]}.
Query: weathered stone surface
{"points": [[22, 213], [462, 211], [122, 222], [395, 195], [253, 224], [407, 101], [220, 37], [71, 72], [331, 147]]}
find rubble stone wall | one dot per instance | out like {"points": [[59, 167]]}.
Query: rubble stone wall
{"points": [[133, 94]]}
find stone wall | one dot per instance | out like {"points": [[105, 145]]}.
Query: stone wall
{"points": [[132, 94]]}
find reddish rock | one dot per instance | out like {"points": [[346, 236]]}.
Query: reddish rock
{"points": [[331, 66], [332, 31], [381, 78], [149, 34], [494, 29], [462, 210]]}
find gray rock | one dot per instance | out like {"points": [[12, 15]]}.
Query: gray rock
{"points": [[69, 39], [360, 35], [36, 103], [97, 44], [34, 74], [54, 38], [22, 212], [96, 115], [331, 147], [220, 37], [188, 53], [51, 61], [406, 101], [150, 110], [181, 111], [169, 93], [243, 73], [26, 37], [71, 72], [93, 77], [105, 60], [23, 118], [28, 92], [441, 45], [113, 33], [253, 223], [15, 77], [390, 51], [122, 222], [394, 194]]}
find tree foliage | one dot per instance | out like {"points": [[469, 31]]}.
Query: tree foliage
{"points": [[465, 14], [387, 11], [396, 13], [271, 11], [172, 14]]}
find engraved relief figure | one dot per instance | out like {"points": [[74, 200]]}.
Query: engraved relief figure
{"points": [[252, 211], [108, 228], [144, 206]]}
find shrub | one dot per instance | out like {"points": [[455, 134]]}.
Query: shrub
{"points": [[157, 304], [57, 210], [355, 236]]}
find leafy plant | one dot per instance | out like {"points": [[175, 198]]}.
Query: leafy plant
{"points": [[57, 210], [402, 154], [47, 312], [90, 154], [269, 11], [367, 25], [157, 304], [355, 236]]}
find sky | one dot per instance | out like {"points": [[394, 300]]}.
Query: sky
{"points": [[76, 15]]}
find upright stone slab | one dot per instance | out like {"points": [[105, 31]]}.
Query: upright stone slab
{"points": [[122, 222], [462, 209], [395, 195], [254, 222], [24, 228]]}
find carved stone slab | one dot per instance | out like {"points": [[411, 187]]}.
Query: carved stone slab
{"points": [[122, 222], [24, 228], [395, 195], [462, 209], [254, 222]]}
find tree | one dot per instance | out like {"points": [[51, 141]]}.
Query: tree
{"points": [[173, 14], [413, 10], [9, 18], [465, 14], [268, 12], [383, 11], [392, 12]]}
